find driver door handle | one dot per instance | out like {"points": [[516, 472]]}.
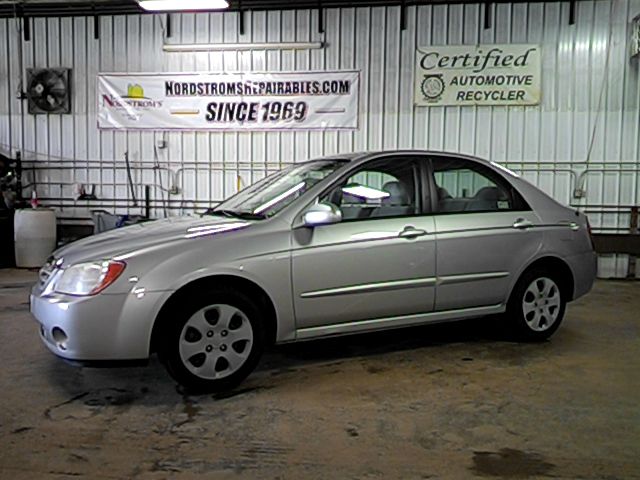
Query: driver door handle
{"points": [[522, 224], [410, 232]]}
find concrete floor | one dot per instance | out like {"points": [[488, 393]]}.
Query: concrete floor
{"points": [[445, 401]]}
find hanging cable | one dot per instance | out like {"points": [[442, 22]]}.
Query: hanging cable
{"points": [[605, 82], [133, 193], [156, 168]]}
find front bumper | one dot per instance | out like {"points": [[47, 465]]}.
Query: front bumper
{"points": [[104, 327]]}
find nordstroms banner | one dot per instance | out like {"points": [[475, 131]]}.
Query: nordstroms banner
{"points": [[229, 101], [478, 75]]}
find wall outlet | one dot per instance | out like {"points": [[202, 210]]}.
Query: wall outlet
{"points": [[161, 143], [579, 193], [174, 191]]}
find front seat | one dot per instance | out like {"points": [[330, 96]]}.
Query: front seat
{"points": [[396, 204], [352, 206]]}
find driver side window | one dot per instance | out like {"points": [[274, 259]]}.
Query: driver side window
{"points": [[382, 188]]}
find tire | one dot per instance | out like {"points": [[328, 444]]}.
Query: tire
{"points": [[536, 306], [212, 340]]}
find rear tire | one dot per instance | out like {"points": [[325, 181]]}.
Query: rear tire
{"points": [[212, 340], [536, 306]]}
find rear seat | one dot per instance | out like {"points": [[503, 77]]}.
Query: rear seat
{"points": [[485, 200]]}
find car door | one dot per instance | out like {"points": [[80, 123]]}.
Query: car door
{"points": [[379, 261], [485, 233]]}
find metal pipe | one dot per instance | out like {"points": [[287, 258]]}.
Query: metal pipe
{"points": [[152, 165], [595, 205], [173, 204], [605, 212], [556, 162], [22, 88], [19, 185], [582, 177], [511, 165], [147, 201], [610, 229], [554, 170], [115, 184], [124, 200], [222, 47]]}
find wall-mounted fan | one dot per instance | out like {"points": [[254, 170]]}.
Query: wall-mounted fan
{"points": [[48, 90]]}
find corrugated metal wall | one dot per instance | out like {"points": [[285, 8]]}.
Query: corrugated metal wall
{"points": [[585, 130]]}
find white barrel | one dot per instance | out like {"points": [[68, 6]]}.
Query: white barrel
{"points": [[35, 236]]}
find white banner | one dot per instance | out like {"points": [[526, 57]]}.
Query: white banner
{"points": [[229, 101], [478, 75]]}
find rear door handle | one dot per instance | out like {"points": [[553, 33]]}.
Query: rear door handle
{"points": [[522, 224], [412, 232]]}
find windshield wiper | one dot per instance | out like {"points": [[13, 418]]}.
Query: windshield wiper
{"points": [[245, 215]]}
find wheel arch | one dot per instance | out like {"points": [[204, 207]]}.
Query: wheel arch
{"points": [[244, 285], [556, 265]]}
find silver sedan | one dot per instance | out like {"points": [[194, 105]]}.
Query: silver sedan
{"points": [[333, 246]]}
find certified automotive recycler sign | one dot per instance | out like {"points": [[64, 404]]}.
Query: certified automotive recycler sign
{"points": [[478, 75]]}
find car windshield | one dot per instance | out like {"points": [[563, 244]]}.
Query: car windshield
{"points": [[272, 194]]}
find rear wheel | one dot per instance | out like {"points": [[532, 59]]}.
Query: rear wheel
{"points": [[537, 305], [215, 341]]}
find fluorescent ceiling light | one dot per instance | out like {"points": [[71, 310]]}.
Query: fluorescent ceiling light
{"points": [[185, 5], [212, 47], [365, 192]]}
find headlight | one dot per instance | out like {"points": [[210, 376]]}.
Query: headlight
{"points": [[89, 278]]}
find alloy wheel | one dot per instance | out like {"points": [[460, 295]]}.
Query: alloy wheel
{"points": [[541, 304], [216, 341]]}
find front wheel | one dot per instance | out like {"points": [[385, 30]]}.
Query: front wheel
{"points": [[215, 342], [537, 305]]}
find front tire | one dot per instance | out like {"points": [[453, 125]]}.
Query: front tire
{"points": [[214, 341], [537, 305]]}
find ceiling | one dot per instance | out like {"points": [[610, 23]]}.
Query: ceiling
{"points": [[48, 8]]}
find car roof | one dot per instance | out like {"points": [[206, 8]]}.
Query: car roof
{"points": [[365, 155]]}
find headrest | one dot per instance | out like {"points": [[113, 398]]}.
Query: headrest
{"points": [[397, 194], [488, 193], [443, 194]]}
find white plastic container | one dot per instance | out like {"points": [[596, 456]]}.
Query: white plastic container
{"points": [[35, 236]]}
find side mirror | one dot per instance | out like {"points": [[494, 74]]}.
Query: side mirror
{"points": [[321, 214]]}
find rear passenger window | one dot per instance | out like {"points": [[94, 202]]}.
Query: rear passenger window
{"points": [[463, 187]]}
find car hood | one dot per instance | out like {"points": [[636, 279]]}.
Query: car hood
{"points": [[128, 240]]}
